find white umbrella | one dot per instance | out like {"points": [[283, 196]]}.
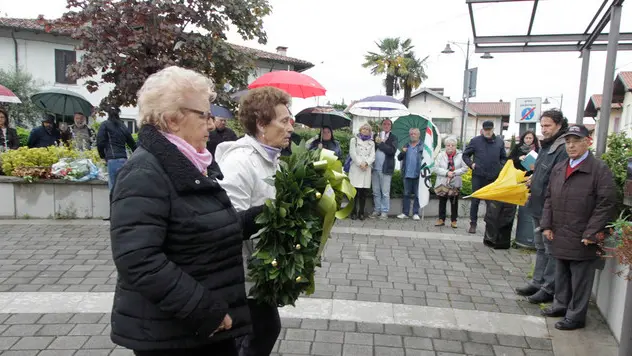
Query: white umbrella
{"points": [[379, 106]]}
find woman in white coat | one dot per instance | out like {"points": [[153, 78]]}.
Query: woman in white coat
{"points": [[362, 152], [449, 167]]}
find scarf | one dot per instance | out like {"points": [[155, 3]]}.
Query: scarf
{"points": [[273, 152], [364, 137], [451, 161], [201, 160]]}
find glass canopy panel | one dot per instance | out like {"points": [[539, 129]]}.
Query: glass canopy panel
{"points": [[502, 18]]}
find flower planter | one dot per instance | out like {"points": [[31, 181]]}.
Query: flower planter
{"points": [[53, 199]]}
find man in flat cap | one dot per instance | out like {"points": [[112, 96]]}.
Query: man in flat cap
{"points": [[489, 158], [580, 202]]}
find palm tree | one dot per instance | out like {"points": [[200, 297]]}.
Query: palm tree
{"points": [[388, 61], [412, 74]]}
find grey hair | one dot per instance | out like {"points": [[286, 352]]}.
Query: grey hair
{"points": [[450, 139], [414, 129]]}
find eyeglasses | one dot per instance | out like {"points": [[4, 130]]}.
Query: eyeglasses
{"points": [[204, 115]]}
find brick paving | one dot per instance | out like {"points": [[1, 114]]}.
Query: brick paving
{"points": [[70, 257]]}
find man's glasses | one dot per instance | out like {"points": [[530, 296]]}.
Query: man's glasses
{"points": [[204, 115]]}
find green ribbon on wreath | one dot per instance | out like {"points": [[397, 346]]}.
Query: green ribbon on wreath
{"points": [[338, 182]]}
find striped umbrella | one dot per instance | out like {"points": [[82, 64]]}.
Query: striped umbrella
{"points": [[7, 96], [379, 106]]}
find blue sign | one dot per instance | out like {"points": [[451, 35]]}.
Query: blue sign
{"points": [[528, 114]]}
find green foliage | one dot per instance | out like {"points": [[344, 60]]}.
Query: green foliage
{"points": [[235, 125], [22, 84], [23, 134], [619, 149], [25, 157], [389, 61], [286, 254], [513, 143], [128, 40]]}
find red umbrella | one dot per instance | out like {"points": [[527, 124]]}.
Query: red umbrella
{"points": [[7, 96], [296, 84]]}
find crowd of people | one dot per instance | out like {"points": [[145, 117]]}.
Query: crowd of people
{"points": [[183, 208]]}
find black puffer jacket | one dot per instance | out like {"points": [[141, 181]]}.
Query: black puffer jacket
{"points": [[176, 243]]}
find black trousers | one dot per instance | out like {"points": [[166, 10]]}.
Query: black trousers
{"points": [[573, 286], [360, 200], [454, 207], [222, 348], [478, 182], [266, 326]]}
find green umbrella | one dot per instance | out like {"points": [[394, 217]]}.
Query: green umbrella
{"points": [[62, 102], [403, 124]]}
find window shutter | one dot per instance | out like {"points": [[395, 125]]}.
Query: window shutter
{"points": [[60, 72]]}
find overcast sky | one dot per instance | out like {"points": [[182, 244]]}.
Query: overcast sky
{"points": [[335, 35]]}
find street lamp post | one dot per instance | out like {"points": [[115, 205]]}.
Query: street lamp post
{"points": [[561, 101], [466, 82]]}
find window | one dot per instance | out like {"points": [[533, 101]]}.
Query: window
{"points": [[444, 125], [617, 124], [131, 125], [64, 58]]}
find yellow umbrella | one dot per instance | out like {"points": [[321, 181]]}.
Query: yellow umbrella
{"points": [[509, 187]]}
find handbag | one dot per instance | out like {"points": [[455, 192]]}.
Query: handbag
{"points": [[448, 190], [347, 166]]}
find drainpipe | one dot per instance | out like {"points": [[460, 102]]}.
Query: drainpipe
{"points": [[15, 48]]}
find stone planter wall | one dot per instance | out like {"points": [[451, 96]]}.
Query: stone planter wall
{"points": [[53, 199], [610, 292]]}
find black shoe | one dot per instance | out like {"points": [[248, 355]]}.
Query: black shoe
{"points": [[361, 217], [566, 324], [540, 297], [472, 229], [353, 216], [106, 219], [527, 290], [553, 313]]}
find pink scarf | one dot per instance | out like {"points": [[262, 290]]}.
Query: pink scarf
{"points": [[201, 160]]}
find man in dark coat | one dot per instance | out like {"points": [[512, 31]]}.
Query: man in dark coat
{"points": [[580, 203], [45, 135], [219, 135], [489, 158], [542, 286], [383, 168]]}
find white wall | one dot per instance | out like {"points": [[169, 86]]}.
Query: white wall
{"points": [[614, 113], [626, 114], [609, 292], [428, 105]]}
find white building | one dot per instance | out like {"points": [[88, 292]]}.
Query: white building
{"points": [[447, 114], [24, 44]]}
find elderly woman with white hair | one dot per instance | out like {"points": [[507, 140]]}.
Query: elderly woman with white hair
{"points": [[176, 238], [362, 152], [449, 167]]}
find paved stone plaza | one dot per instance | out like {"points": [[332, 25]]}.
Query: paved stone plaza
{"points": [[386, 288]]}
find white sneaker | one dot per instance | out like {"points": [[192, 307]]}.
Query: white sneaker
{"points": [[416, 217], [383, 216], [374, 215], [402, 216]]}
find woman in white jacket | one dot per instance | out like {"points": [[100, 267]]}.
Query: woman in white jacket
{"points": [[449, 167], [362, 152], [246, 163]]}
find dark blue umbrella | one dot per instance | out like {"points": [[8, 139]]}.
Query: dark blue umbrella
{"points": [[219, 111]]}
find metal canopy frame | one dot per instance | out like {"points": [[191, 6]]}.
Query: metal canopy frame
{"points": [[583, 43], [592, 39]]}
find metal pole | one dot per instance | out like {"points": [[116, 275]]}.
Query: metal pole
{"points": [[583, 82], [466, 94], [611, 58], [561, 101]]}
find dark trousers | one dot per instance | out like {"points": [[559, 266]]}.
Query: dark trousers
{"points": [[222, 348], [478, 182], [360, 200], [454, 207], [573, 286], [266, 326]]}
